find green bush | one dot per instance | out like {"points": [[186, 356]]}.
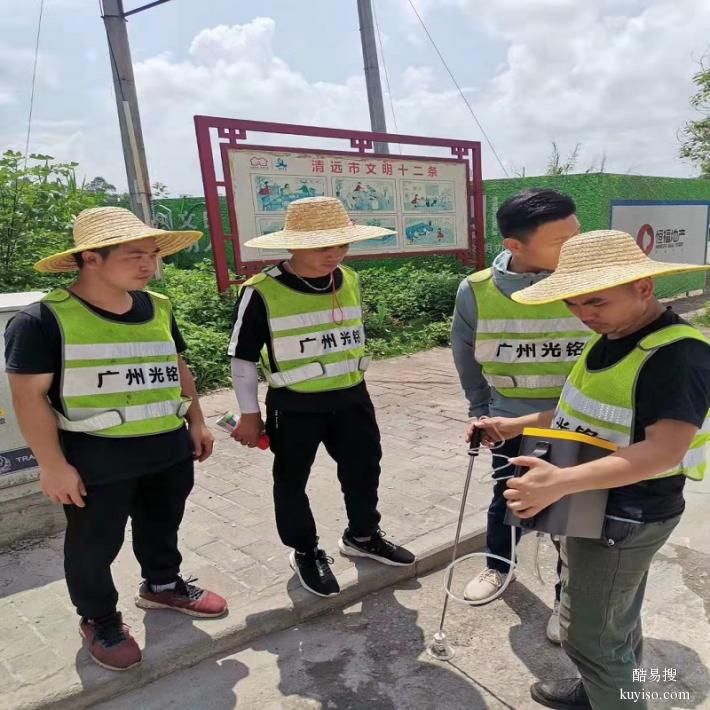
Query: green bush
{"points": [[207, 355], [38, 201], [411, 339], [411, 290], [193, 294]]}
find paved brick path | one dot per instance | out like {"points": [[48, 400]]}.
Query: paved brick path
{"points": [[229, 538]]}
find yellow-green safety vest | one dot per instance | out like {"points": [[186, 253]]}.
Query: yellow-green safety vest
{"points": [[601, 403], [312, 352], [525, 351], [117, 379]]}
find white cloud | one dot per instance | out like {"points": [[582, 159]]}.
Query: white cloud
{"points": [[615, 77], [234, 72], [612, 75]]}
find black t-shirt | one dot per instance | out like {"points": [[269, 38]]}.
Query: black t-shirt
{"points": [[33, 346], [674, 383], [251, 332]]}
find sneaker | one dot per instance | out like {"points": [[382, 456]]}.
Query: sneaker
{"points": [[485, 585], [185, 598], [553, 624], [109, 642], [313, 569], [376, 548], [565, 694]]}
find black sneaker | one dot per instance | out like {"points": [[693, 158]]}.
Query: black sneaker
{"points": [[313, 569], [565, 694], [376, 548]]}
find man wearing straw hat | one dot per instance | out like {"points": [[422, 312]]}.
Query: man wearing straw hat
{"points": [[303, 320], [102, 395], [643, 383]]}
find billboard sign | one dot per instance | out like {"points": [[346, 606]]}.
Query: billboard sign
{"points": [[668, 231], [423, 200], [434, 203]]}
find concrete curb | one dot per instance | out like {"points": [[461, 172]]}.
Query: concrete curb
{"points": [[279, 611]]}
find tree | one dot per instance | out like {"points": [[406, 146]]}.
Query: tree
{"points": [[555, 166], [39, 199], [696, 134], [160, 191]]}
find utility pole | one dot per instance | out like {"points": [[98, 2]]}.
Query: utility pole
{"points": [[127, 103], [372, 72]]}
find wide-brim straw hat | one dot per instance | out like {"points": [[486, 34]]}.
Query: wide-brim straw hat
{"points": [[100, 227], [595, 261], [314, 222]]}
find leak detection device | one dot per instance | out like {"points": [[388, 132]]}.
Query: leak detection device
{"points": [[574, 515]]}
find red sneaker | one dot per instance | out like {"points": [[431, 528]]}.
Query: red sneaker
{"points": [[110, 643], [186, 598]]}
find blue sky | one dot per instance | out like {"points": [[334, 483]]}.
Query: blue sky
{"points": [[613, 75]]}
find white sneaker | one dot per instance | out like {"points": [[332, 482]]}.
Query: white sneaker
{"points": [[484, 585], [553, 624]]}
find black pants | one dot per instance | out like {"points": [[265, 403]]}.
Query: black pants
{"points": [[497, 532], [352, 438], [155, 504]]}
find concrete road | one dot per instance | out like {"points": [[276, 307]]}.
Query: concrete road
{"points": [[371, 655]]}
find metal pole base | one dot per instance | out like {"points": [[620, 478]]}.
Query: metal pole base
{"points": [[439, 648]]}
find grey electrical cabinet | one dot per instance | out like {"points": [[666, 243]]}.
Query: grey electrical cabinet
{"points": [[17, 464]]}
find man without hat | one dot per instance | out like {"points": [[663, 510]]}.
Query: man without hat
{"points": [[513, 359]]}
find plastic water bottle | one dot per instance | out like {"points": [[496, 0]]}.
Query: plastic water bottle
{"points": [[229, 421]]}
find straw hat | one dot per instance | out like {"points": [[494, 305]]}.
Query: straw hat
{"points": [[316, 222], [595, 261], [105, 226]]}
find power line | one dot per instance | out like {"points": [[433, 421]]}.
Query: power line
{"points": [[34, 79], [387, 77], [456, 84]]}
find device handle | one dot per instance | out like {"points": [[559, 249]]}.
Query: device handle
{"points": [[541, 451], [475, 444]]}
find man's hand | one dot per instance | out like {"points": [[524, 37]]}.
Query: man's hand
{"points": [[532, 492], [63, 484], [249, 429], [495, 429], [202, 441]]}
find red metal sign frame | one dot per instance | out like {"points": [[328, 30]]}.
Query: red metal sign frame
{"points": [[231, 133]]}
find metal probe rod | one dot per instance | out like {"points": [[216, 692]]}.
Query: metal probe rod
{"points": [[472, 453]]}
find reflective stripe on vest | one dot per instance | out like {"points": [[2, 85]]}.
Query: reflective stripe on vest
{"points": [[312, 352], [525, 351], [602, 403], [118, 379]]}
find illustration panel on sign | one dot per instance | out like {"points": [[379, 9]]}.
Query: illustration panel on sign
{"points": [[431, 196], [365, 195], [429, 231], [389, 241], [273, 193], [267, 225]]}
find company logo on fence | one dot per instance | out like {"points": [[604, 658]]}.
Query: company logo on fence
{"points": [[670, 238], [646, 239]]}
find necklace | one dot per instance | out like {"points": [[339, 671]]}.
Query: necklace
{"points": [[327, 287], [330, 286]]}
